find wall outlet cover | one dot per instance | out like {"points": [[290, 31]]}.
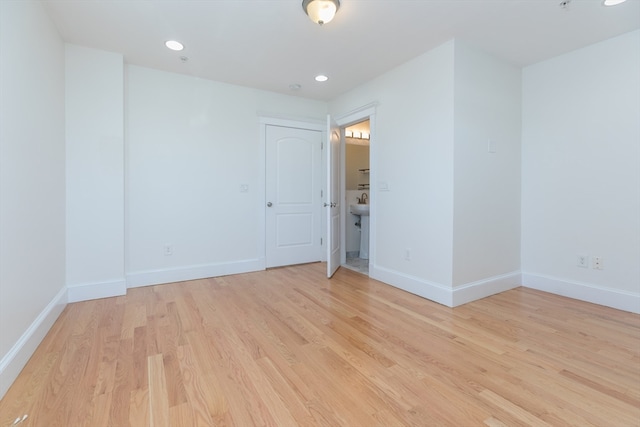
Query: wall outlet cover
{"points": [[598, 263], [583, 261]]}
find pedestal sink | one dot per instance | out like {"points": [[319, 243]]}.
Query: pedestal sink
{"points": [[362, 211]]}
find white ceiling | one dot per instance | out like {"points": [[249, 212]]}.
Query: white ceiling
{"points": [[270, 44]]}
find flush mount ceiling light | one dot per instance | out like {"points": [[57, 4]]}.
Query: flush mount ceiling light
{"points": [[174, 45], [612, 2], [321, 11]]}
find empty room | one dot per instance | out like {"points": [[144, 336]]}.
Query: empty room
{"points": [[319, 213]]}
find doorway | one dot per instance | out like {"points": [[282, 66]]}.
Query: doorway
{"points": [[357, 196]]}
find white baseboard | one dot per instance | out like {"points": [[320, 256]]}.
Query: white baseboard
{"points": [[429, 290], [443, 294], [486, 287], [89, 291], [13, 362], [156, 277], [614, 298]]}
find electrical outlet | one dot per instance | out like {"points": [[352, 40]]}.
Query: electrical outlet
{"points": [[407, 254], [583, 261], [598, 263], [168, 250]]}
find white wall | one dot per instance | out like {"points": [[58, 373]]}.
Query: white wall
{"points": [[191, 145], [451, 204], [95, 173], [356, 158], [32, 182], [486, 228], [581, 172], [413, 144]]}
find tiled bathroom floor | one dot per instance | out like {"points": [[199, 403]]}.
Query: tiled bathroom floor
{"points": [[358, 264]]}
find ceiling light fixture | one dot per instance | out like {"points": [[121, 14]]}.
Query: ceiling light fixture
{"points": [[174, 45], [321, 11], [612, 2], [321, 78]]}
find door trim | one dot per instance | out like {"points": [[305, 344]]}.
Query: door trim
{"points": [[344, 120]]}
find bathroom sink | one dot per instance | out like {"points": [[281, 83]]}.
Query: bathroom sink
{"points": [[363, 226], [362, 210]]}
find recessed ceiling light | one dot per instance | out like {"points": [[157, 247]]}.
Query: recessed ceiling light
{"points": [[612, 2], [174, 45], [321, 78]]}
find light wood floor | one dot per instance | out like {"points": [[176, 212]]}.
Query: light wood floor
{"points": [[288, 347]]}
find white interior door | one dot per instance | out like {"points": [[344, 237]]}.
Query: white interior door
{"points": [[293, 195], [332, 205]]}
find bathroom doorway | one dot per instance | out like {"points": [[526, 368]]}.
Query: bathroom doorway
{"points": [[357, 195]]}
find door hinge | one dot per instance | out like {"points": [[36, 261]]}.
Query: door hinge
{"points": [[321, 193], [322, 145], [321, 241]]}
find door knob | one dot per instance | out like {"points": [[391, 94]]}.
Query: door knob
{"points": [[269, 204]]}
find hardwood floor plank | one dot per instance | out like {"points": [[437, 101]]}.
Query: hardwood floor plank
{"points": [[139, 408], [631, 400], [522, 415], [330, 389], [196, 396], [158, 395], [100, 413], [106, 366], [494, 422], [287, 392], [135, 315], [181, 415], [123, 384], [139, 369], [289, 347]]}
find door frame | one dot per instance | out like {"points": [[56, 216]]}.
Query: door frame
{"points": [[345, 120], [264, 121]]}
